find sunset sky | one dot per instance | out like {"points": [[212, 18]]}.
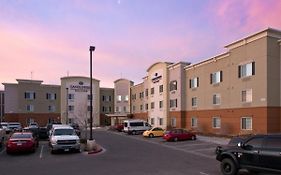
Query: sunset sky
{"points": [[51, 38]]}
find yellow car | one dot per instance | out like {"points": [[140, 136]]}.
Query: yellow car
{"points": [[154, 132]]}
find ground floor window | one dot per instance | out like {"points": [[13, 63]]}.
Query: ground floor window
{"points": [[194, 122], [152, 121], [160, 121], [174, 122], [216, 122], [246, 123]]}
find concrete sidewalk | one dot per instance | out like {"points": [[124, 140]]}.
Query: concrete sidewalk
{"points": [[213, 139]]}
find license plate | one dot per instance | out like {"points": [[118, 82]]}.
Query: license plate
{"points": [[67, 149], [19, 144]]}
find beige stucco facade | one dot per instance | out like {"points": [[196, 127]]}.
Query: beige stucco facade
{"points": [[75, 100]]}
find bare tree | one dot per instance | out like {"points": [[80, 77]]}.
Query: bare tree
{"points": [[81, 117]]}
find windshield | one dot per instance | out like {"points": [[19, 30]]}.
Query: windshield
{"points": [[22, 136], [59, 132]]}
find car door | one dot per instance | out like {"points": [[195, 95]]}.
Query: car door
{"points": [[158, 132], [249, 156], [270, 155]]}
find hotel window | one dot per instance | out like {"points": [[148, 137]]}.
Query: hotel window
{"points": [[152, 91], [160, 104], [247, 95], [174, 122], [103, 98], [70, 96], [194, 101], [127, 98], [70, 108], [173, 85], [173, 103], [194, 122], [134, 97], [117, 109], [246, 123], [141, 94], [51, 108], [216, 77], [160, 88], [125, 109], [152, 105], [51, 96], [119, 98], [30, 108], [216, 99], [216, 122], [89, 97], [146, 106], [146, 92], [134, 108], [88, 108], [29, 95], [160, 121], [194, 82], [141, 107], [246, 70], [152, 121]]}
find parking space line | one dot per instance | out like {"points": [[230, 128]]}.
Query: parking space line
{"points": [[203, 173], [192, 144], [41, 152], [205, 149]]}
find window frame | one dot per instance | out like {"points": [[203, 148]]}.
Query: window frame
{"points": [[214, 123], [251, 124]]}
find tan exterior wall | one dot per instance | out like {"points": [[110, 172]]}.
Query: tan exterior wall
{"points": [[106, 105], [180, 117], [137, 100], [122, 88], [142, 116]]}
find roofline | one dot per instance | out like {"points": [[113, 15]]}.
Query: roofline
{"points": [[179, 63], [68, 77], [244, 40], [120, 79], [167, 63]]}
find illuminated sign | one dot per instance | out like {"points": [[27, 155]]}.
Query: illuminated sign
{"points": [[80, 88], [156, 78]]}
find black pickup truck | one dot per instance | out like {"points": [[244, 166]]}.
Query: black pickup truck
{"points": [[257, 153]]}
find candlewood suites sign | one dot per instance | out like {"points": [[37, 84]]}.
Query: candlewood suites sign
{"points": [[80, 88]]}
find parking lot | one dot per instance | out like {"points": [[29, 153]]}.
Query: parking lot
{"points": [[202, 146]]}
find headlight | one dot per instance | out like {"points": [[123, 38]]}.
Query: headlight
{"points": [[53, 141], [78, 141]]}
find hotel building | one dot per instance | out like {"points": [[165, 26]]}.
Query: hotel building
{"points": [[30, 100], [237, 92], [2, 104]]}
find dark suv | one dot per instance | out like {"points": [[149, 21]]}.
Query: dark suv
{"points": [[258, 153]]}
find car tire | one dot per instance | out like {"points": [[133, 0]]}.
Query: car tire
{"points": [[228, 167], [193, 138], [176, 139], [134, 132], [151, 135]]}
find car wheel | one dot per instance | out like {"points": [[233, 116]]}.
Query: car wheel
{"points": [[193, 138], [176, 139], [134, 132], [151, 135], [228, 167]]}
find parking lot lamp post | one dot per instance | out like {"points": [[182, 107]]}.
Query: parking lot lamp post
{"points": [[92, 48]]}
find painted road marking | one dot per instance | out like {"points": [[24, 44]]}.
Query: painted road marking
{"points": [[41, 152]]}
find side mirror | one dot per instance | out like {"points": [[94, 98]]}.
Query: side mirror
{"points": [[240, 144]]}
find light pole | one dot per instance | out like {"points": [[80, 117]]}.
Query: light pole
{"points": [[92, 48]]}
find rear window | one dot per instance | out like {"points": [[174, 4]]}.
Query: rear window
{"points": [[58, 132], [273, 143], [21, 136]]}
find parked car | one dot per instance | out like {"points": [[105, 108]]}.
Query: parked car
{"points": [[4, 126], [119, 127], [179, 134], [64, 138], [33, 125], [21, 142], [258, 153], [154, 132], [135, 126], [14, 126]]}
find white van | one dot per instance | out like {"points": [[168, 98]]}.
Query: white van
{"points": [[135, 126]]}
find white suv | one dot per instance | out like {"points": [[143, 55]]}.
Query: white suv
{"points": [[64, 137]]}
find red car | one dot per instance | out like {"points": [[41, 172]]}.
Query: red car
{"points": [[179, 134], [21, 142]]}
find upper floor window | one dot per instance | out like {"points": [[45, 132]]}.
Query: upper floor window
{"points": [[146, 92], [117, 109], [89, 108], [51, 108], [119, 98], [146, 106], [173, 85], [141, 94], [160, 104], [141, 107], [194, 82], [70, 96], [216, 99], [246, 70], [152, 91], [247, 95], [194, 101], [134, 108], [161, 88], [152, 105], [173, 103], [127, 98], [51, 96], [89, 97], [30, 108], [216, 77], [29, 95], [70, 108]]}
